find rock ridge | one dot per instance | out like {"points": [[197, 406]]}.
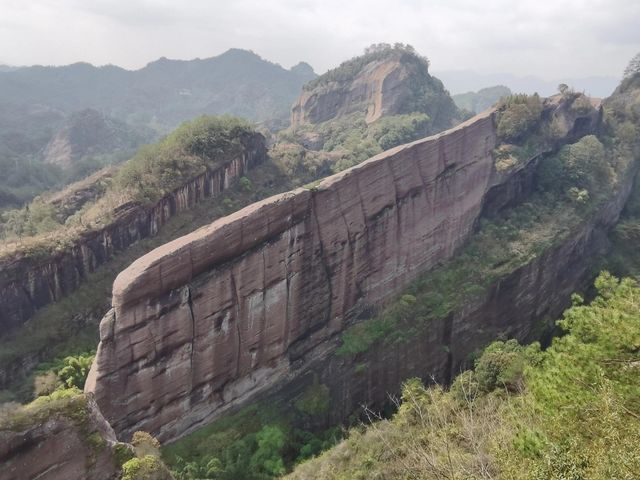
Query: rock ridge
{"points": [[273, 280], [271, 286]]}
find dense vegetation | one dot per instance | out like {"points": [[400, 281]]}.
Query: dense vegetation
{"points": [[258, 443], [570, 412], [343, 142]]}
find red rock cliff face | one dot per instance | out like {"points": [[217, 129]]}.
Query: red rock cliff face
{"points": [[513, 307], [207, 321], [27, 284]]}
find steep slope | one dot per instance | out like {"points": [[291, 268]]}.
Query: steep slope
{"points": [[384, 81], [262, 294]]}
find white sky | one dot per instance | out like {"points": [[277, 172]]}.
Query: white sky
{"points": [[546, 38]]}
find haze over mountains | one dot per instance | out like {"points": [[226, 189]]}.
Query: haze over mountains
{"points": [[165, 92], [463, 81]]}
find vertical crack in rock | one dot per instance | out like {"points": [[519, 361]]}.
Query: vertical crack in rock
{"points": [[285, 336], [193, 334], [323, 258], [396, 207], [263, 316], [367, 242], [236, 301]]}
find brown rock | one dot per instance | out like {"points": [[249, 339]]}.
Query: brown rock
{"points": [[70, 443]]}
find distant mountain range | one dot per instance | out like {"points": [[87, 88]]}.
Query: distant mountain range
{"points": [[463, 81], [165, 92]]}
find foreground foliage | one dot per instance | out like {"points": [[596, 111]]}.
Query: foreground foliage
{"points": [[570, 412], [258, 443]]}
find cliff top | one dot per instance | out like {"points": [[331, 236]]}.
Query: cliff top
{"points": [[46, 227]]}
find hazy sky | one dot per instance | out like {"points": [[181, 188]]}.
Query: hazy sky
{"points": [[548, 38]]}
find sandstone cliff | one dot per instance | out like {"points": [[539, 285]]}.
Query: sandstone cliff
{"points": [[385, 81], [64, 439], [206, 322], [29, 282]]}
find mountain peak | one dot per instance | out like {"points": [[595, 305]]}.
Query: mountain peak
{"points": [[303, 68], [385, 80]]}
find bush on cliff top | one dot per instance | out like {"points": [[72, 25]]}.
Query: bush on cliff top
{"points": [[185, 153], [69, 403], [572, 411], [517, 115]]}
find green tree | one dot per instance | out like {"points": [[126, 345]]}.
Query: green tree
{"points": [[268, 457], [633, 67], [75, 370]]}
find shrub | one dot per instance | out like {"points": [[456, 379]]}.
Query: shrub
{"points": [[245, 184], [148, 467], [315, 400], [145, 444], [75, 370], [517, 114]]}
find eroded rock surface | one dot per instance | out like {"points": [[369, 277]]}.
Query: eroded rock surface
{"points": [[250, 303], [214, 317], [70, 443], [391, 83]]}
